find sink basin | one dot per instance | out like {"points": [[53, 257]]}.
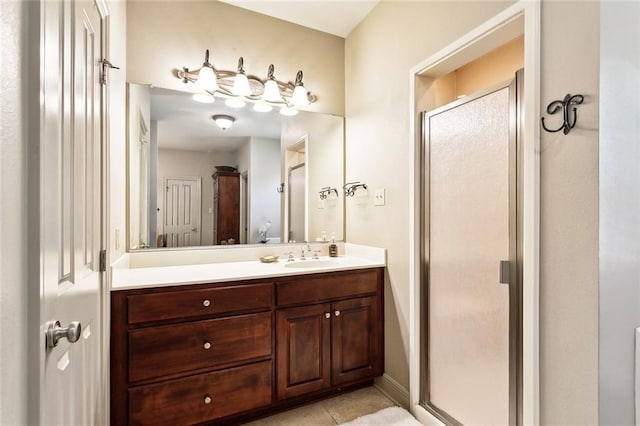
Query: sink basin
{"points": [[310, 264]]}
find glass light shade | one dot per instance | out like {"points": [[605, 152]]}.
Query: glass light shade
{"points": [[241, 85], [223, 121], [289, 112], [203, 98], [299, 97], [207, 79], [262, 107], [235, 103], [271, 92]]}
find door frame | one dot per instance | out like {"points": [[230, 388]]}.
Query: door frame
{"points": [[483, 39]]}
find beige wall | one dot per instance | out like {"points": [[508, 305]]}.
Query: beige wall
{"points": [[569, 219], [166, 35], [377, 151]]}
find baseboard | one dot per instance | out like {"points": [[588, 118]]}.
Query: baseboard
{"points": [[393, 390]]}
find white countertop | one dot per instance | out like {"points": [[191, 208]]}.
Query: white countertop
{"points": [[130, 272]]}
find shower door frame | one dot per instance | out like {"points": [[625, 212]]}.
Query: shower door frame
{"points": [[515, 191]]}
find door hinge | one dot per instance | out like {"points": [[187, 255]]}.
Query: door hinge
{"points": [[505, 272], [106, 65], [103, 260]]}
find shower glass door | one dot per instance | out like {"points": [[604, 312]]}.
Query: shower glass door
{"points": [[468, 345]]}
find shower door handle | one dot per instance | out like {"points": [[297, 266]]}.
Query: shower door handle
{"points": [[505, 272]]}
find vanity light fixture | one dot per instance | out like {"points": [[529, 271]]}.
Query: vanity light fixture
{"points": [[239, 85], [224, 121]]}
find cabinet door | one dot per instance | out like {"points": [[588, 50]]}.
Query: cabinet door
{"points": [[303, 350], [356, 340]]}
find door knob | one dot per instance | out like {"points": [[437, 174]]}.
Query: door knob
{"points": [[194, 229], [55, 332]]}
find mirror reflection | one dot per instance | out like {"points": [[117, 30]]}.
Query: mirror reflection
{"points": [[256, 177]]}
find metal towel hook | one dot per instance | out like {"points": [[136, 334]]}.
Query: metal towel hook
{"points": [[565, 106]]}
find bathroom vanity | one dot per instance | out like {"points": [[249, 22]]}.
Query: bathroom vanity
{"points": [[230, 350]]}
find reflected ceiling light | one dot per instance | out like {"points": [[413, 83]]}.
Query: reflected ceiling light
{"points": [[242, 86], [235, 103], [203, 98], [262, 107], [288, 111], [224, 121]]}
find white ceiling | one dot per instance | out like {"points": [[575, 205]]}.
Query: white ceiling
{"points": [[188, 125], [331, 16]]}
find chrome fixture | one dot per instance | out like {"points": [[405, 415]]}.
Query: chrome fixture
{"points": [[55, 332], [241, 86], [223, 121], [351, 187], [326, 191], [280, 188]]}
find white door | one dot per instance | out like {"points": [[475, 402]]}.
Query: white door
{"points": [[70, 213], [297, 197], [182, 211]]}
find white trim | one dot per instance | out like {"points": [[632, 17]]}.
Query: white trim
{"points": [[530, 9], [392, 390], [103, 8]]}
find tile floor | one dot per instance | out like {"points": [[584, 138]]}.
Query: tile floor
{"points": [[333, 411]]}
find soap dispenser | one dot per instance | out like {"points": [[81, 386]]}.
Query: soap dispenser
{"points": [[333, 248]]}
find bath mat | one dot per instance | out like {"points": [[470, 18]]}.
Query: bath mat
{"points": [[392, 416]]}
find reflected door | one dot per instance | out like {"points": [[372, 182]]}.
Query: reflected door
{"points": [[297, 196], [182, 206], [467, 369]]}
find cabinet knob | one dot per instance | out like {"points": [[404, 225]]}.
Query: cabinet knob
{"points": [[327, 315], [206, 302], [207, 399], [337, 313], [207, 345]]}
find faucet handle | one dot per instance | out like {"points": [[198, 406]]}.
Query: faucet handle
{"points": [[315, 254], [290, 254], [302, 257]]}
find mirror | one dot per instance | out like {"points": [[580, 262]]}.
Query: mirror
{"points": [[266, 179]]}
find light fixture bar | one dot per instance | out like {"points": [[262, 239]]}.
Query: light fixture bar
{"points": [[238, 84]]}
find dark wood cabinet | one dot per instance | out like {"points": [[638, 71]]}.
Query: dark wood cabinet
{"points": [[329, 344], [227, 353], [303, 352], [226, 207]]}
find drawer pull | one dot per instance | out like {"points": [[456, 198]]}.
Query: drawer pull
{"points": [[337, 313], [206, 302], [327, 315], [207, 345], [207, 399]]}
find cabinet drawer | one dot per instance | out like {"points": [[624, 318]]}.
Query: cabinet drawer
{"points": [[321, 288], [203, 397], [196, 303], [170, 349]]}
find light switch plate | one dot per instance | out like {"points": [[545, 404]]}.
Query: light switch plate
{"points": [[379, 199]]}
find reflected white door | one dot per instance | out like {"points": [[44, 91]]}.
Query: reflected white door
{"points": [[182, 211], [70, 211], [297, 197], [468, 371]]}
